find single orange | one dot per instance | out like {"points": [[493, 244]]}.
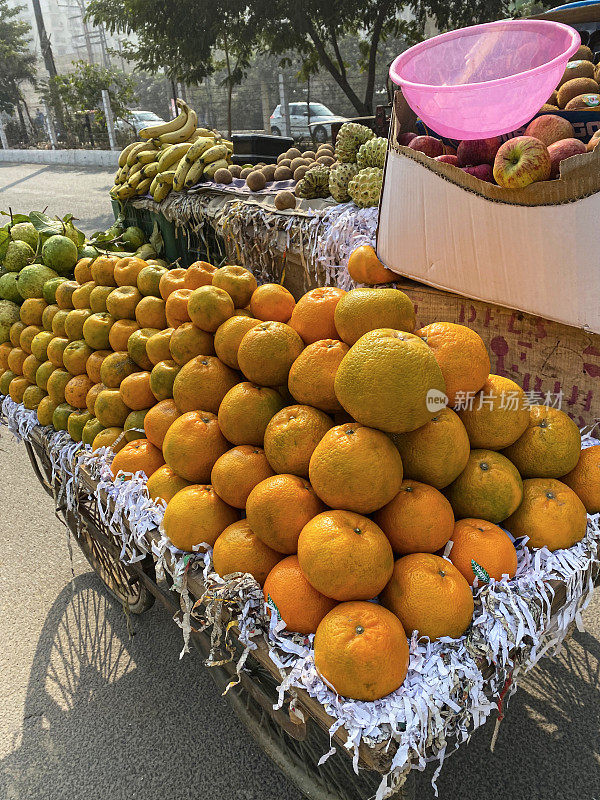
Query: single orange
{"points": [[32, 311], [164, 484], [58, 322], [56, 348], [43, 373], [158, 420], [549, 447], [64, 294], [138, 456], [162, 379], [176, 307], [17, 388], [136, 347], [238, 549], [120, 332], [55, 384], [96, 330], [110, 409], [362, 310], [202, 383], [292, 436], [192, 444], [245, 412], [480, 548], [93, 364], [27, 336], [32, 397], [157, 346], [16, 359], [75, 356], [197, 515], [187, 341], [98, 297], [237, 472], [170, 281], [489, 487], [45, 411], [103, 270], [30, 368], [312, 375], [15, 333], [267, 352], [497, 415], [127, 270], [313, 315], [199, 274], [239, 283], [76, 391], [5, 349], [122, 301], [135, 391], [209, 307], [584, 479], [150, 313], [39, 346], [83, 271], [90, 398], [272, 303], [134, 425], [113, 437], [115, 368], [228, 338], [365, 267], [74, 323], [148, 281], [81, 297]]}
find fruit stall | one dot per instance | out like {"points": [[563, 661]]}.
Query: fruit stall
{"points": [[368, 495]]}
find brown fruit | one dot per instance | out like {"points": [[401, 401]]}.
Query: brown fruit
{"points": [[285, 200], [269, 171], [222, 175], [573, 88], [283, 173], [583, 101], [235, 170], [256, 181]]}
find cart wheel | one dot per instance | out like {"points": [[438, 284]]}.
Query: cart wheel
{"points": [[102, 552]]}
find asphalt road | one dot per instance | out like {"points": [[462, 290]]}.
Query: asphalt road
{"points": [[89, 713]]}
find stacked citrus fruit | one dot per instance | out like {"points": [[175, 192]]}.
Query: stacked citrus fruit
{"points": [[307, 444]]}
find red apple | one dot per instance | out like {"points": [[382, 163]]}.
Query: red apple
{"points": [[449, 150], [447, 159], [521, 161], [427, 144], [561, 150], [405, 138], [593, 142], [472, 152], [550, 128], [482, 171]]}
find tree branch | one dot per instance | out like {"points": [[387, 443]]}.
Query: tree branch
{"points": [[336, 50], [375, 37]]}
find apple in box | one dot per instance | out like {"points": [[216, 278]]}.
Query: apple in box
{"points": [[565, 148], [521, 161], [428, 145], [482, 171], [550, 128], [447, 158], [406, 138], [472, 152]]}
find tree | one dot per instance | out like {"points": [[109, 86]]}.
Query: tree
{"points": [[17, 61], [81, 89]]}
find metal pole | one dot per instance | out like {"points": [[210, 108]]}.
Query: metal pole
{"points": [[284, 106], [3, 136], [45, 46], [49, 126], [110, 123], [266, 105]]}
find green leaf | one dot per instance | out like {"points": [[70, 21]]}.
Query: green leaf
{"points": [[481, 574], [79, 235], [4, 241], [156, 240], [45, 224], [16, 217]]}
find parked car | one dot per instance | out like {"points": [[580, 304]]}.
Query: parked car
{"points": [[138, 120], [317, 125]]}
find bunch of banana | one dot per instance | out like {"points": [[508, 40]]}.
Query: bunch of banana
{"points": [[178, 130]]}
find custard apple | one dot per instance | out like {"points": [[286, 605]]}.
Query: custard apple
{"points": [[339, 177], [365, 187], [372, 153], [350, 137], [314, 184]]}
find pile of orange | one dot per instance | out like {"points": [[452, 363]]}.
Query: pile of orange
{"points": [[309, 445]]}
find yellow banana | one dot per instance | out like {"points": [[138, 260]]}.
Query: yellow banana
{"points": [[118, 180], [135, 179], [199, 147], [215, 153], [182, 134], [125, 191], [209, 171], [143, 186], [153, 185], [133, 169], [113, 192], [228, 144], [162, 190], [166, 177], [148, 156], [172, 154], [150, 170], [125, 152], [154, 131], [194, 174], [140, 147]]}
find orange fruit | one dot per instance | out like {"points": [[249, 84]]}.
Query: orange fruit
{"points": [[365, 267], [27, 336], [162, 379], [345, 556], [197, 515], [96, 330], [76, 391], [361, 649], [176, 307], [355, 468], [43, 373], [58, 322], [237, 472], [272, 303], [192, 444], [164, 484], [312, 375], [122, 301], [112, 437], [135, 391], [127, 270], [158, 420], [549, 447], [239, 283], [170, 281], [243, 312], [418, 520], [138, 456], [296, 602], [437, 452], [16, 359], [75, 356], [30, 368], [110, 409], [32, 397], [150, 313], [56, 348], [120, 332], [202, 383], [584, 479], [81, 296], [489, 487], [6, 379], [157, 346], [15, 333], [103, 270], [83, 270], [238, 549], [267, 352], [188, 341], [55, 384], [478, 543], [209, 307], [115, 368], [134, 425], [45, 411], [551, 515], [64, 294], [32, 311], [279, 507], [245, 412], [98, 297], [39, 346], [148, 280], [362, 310], [74, 323], [93, 392], [387, 379], [199, 274], [17, 388], [497, 415], [429, 595], [93, 364], [228, 338], [461, 355], [5, 349], [291, 437], [313, 314], [136, 347]]}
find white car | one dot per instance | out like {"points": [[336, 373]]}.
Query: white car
{"points": [[317, 125], [138, 120]]}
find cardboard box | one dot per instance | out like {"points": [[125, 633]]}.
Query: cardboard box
{"points": [[535, 249]]}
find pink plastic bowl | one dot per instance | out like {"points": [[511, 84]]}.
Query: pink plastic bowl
{"points": [[487, 79]]}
